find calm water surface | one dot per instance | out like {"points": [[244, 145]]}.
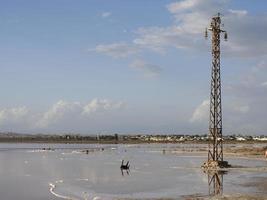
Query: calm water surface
{"points": [[29, 173]]}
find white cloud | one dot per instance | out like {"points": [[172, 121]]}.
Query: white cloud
{"points": [[178, 35], [59, 111], [13, 115], [101, 105], [66, 111], [182, 5], [149, 70], [201, 113], [238, 12], [246, 31], [106, 14], [193, 16], [116, 50], [60, 115], [158, 38]]}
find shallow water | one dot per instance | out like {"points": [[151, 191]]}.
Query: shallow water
{"points": [[28, 172]]}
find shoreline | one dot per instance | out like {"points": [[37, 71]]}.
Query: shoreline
{"points": [[244, 150], [65, 141]]}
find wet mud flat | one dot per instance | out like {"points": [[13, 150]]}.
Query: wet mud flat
{"points": [[158, 171]]}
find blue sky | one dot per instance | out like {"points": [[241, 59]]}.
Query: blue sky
{"points": [[129, 66]]}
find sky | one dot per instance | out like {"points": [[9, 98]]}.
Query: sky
{"points": [[127, 67]]}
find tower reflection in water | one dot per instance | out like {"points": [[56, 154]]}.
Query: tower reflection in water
{"points": [[215, 182]]}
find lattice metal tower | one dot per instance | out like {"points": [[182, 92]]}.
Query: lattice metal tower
{"points": [[215, 152]]}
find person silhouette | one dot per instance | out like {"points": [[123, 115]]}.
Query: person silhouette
{"points": [[123, 166]]}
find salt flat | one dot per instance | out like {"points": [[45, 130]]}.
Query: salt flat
{"points": [[67, 171]]}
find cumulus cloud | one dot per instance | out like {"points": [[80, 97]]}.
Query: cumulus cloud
{"points": [[63, 110], [246, 31], [201, 113], [58, 111], [192, 16], [149, 70], [62, 114], [13, 115], [101, 105], [180, 34], [239, 116]]}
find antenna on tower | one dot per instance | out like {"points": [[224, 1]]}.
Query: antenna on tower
{"points": [[206, 33], [225, 36], [215, 152]]}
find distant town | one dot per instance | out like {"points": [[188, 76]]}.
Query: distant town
{"points": [[120, 138]]}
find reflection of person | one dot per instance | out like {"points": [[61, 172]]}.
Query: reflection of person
{"points": [[127, 171], [265, 153]]}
